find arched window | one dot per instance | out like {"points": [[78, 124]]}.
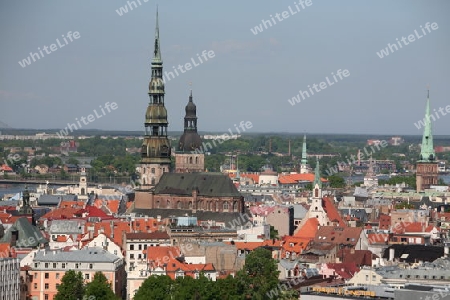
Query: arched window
{"points": [[190, 160], [157, 204], [316, 193], [179, 204], [196, 160], [82, 191], [235, 206], [168, 204], [190, 204], [153, 181], [225, 206]]}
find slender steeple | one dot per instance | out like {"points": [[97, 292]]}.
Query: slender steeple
{"points": [[157, 51], [317, 180], [156, 150], [427, 153], [304, 161]]}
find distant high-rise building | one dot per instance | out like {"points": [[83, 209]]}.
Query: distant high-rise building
{"points": [[187, 159], [304, 168], [156, 151], [427, 166]]}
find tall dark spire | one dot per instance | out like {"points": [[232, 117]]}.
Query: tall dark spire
{"points": [[156, 150], [157, 50]]}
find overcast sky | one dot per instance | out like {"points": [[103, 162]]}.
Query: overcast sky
{"points": [[250, 78]]}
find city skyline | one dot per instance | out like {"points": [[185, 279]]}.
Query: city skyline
{"points": [[105, 56]]}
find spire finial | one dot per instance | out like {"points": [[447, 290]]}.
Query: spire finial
{"points": [[157, 51], [190, 96], [428, 89]]}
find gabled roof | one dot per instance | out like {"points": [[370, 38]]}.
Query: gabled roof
{"points": [[295, 244], [5, 249], [338, 235], [29, 236], [309, 229], [357, 257], [60, 213], [332, 212], [252, 176], [208, 184], [345, 270]]}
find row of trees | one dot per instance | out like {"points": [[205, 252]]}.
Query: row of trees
{"points": [[257, 280], [72, 287]]}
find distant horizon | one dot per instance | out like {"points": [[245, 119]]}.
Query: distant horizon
{"points": [[202, 132]]}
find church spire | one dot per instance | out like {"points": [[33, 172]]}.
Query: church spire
{"points": [[317, 179], [427, 150], [157, 50]]}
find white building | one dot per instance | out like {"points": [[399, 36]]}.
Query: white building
{"points": [[9, 279]]}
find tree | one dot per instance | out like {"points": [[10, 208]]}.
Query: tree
{"points": [[155, 287], [259, 275], [71, 287], [100, 288], [336, 181]]}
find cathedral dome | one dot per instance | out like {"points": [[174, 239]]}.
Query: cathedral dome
{"points": [[189, 141], [191, 108]]}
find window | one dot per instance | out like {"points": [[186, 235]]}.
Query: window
{"points": [[57, 276], [140, 247], [63, 265], [35, 286], [86, 276], [46, 297], [131, 256], [35, 275], [91, 266], [115, 252], [57, 285], [77, 265], [46, 265], [46, 275], [367, 277], [54, 265], [139, 256], [145, 247], [46, 286], [131, 247]]}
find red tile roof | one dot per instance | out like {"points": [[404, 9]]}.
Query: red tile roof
{"points": [[60, 213], [295, 178], [357, 257], [338, 235], [157, 235], [332, 212], [345, 270], [5, 249], [309, 229]]}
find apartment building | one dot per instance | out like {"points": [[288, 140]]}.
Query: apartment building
{"points": [[9, 279], [49, 266]]}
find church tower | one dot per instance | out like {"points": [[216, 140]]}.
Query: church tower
{"points": [[155, 152], [188, 156], [427, 167], [83, 192], [304, 163], [316, 209]]}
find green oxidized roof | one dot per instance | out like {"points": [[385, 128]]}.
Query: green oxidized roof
{"points": [[29, 235], [427, 153]]}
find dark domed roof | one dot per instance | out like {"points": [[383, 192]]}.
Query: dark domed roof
{"points": [[191, 108], [189, 141]]}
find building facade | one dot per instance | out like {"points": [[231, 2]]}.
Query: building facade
{"points": [[9, 279]]}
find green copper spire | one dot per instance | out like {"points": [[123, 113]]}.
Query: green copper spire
{"points": [[304, 160], [427, 150], [317, 179], [157, 51]]}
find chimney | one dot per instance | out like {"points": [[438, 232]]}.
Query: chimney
{"points": [[112, 229], [391, 254], [14, 237], [446, 251]]}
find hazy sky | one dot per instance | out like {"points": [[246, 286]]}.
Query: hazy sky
{"points": [[251, 76]]}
